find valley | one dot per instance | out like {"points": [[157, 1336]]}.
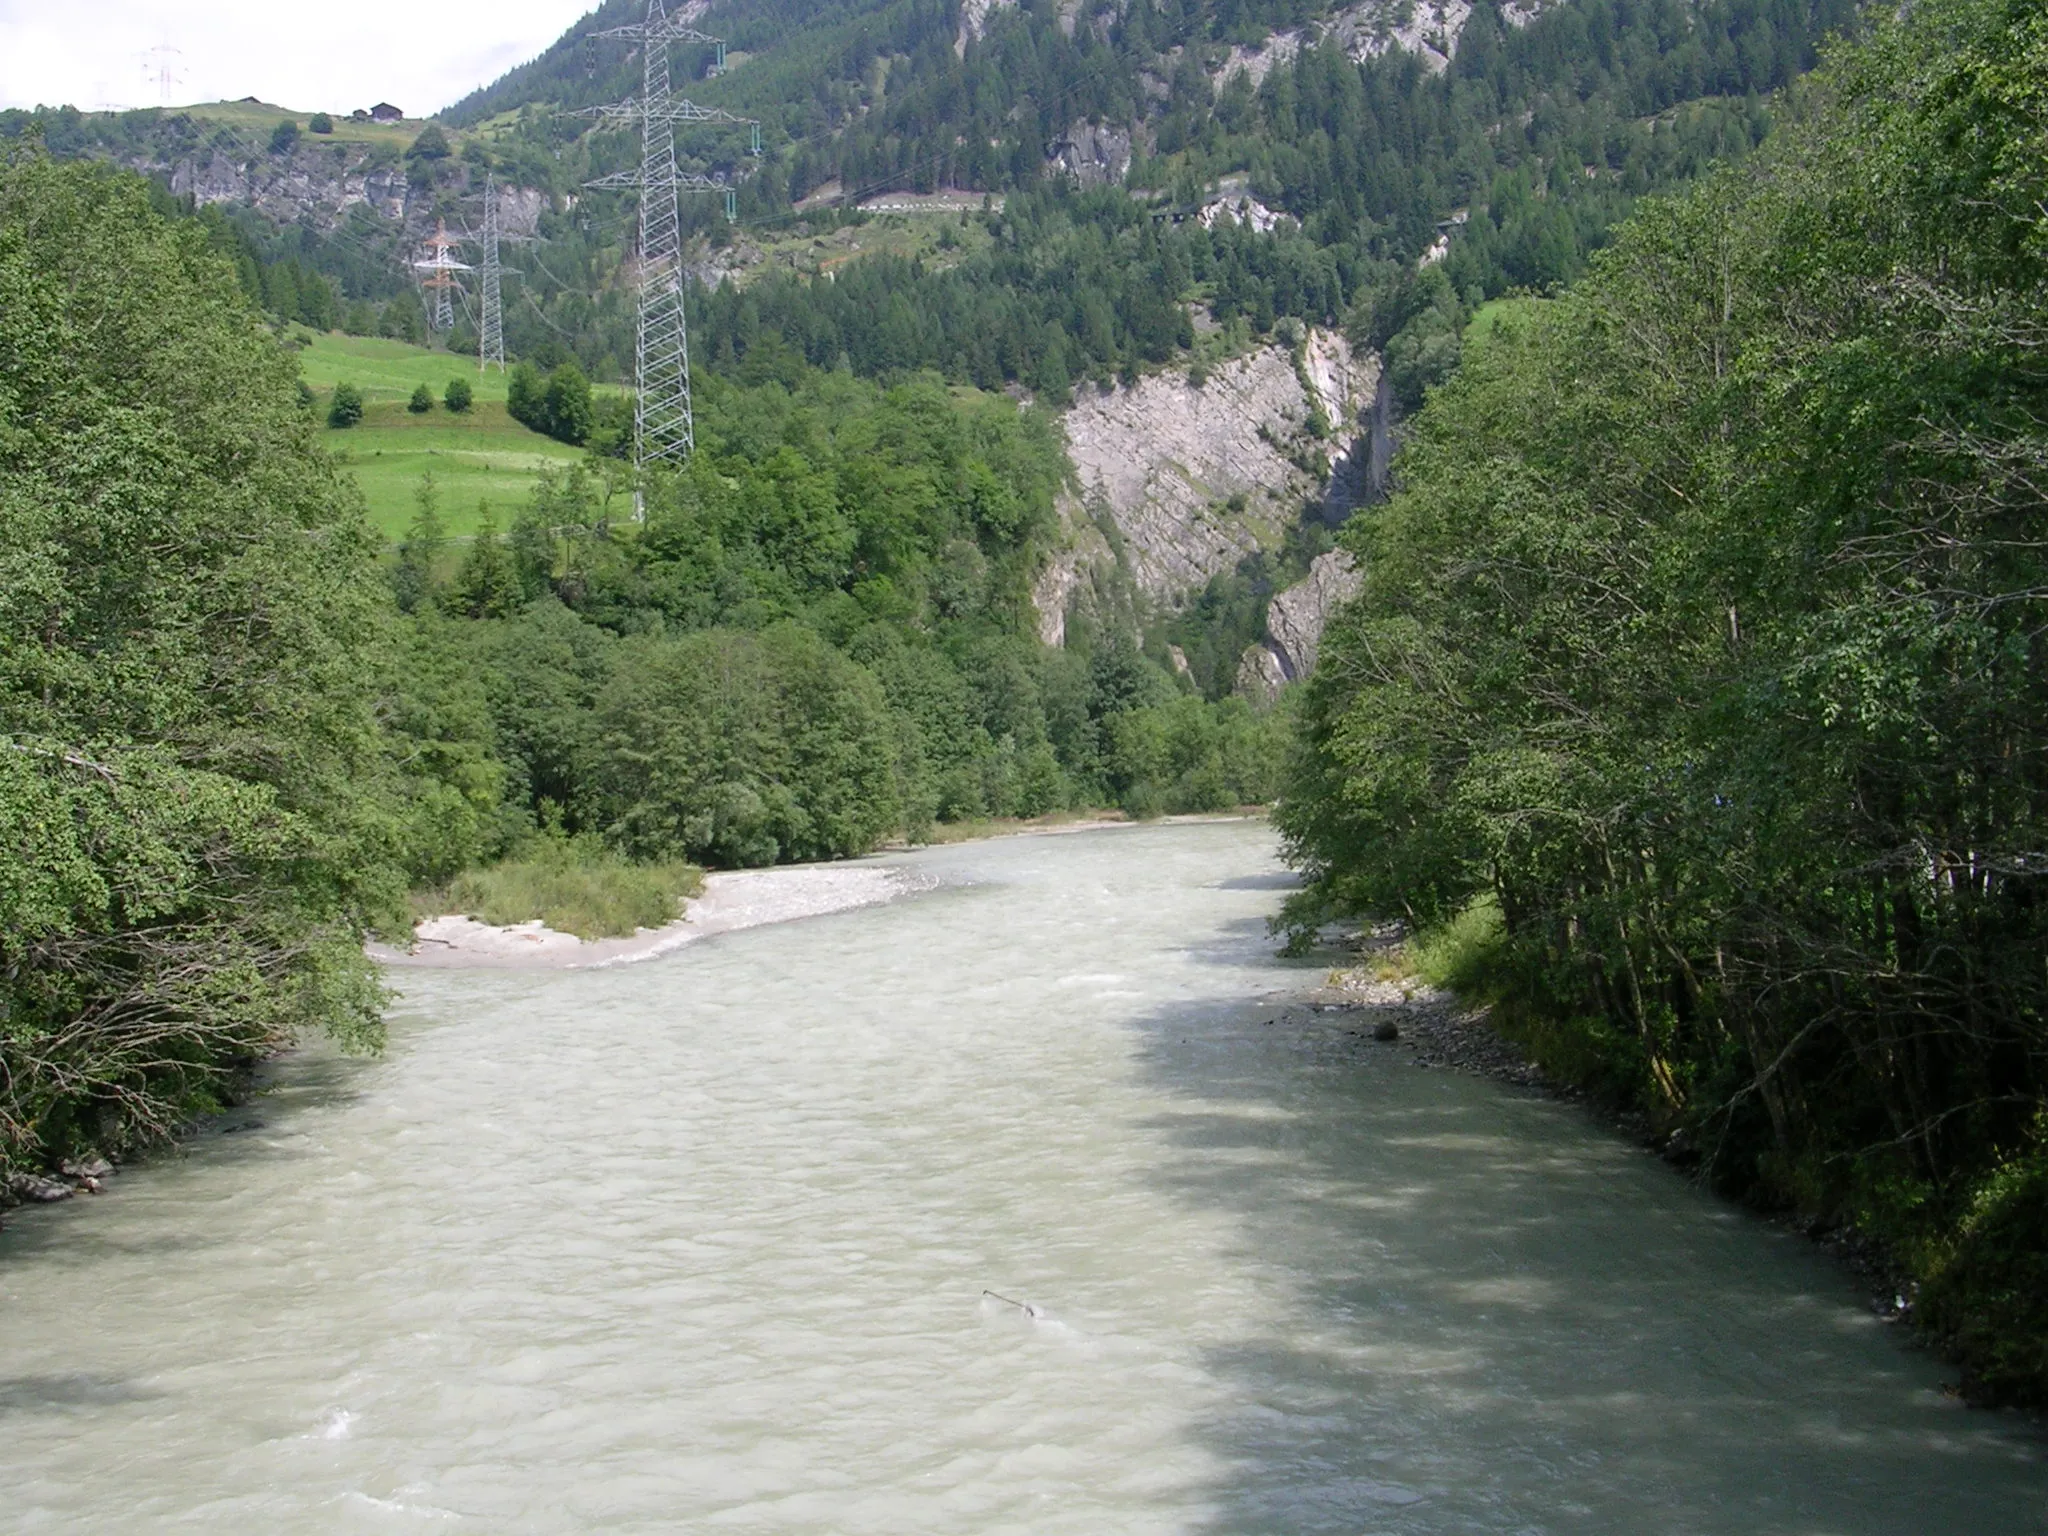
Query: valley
{"points": [[1532, 501]]}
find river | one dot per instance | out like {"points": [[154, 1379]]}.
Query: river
{"points": [[701, 1244]]}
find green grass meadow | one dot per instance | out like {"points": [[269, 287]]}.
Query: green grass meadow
{"points": [[481, 455]]}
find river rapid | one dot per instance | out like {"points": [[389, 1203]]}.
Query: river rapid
{"points": [[701, 1245]]}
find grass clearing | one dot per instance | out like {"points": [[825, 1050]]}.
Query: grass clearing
{"points": [[574, 885], [935, 236], [482, 455], [259, 118], [1490, 316], [384, 369], [479, 455]]}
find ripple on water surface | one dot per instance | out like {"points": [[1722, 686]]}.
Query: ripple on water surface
{"points": [[703, 1244]]}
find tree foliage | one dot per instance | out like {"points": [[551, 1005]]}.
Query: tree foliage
{"points": [[190, 843], [1703, 641]]}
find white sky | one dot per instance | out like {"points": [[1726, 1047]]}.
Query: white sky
{"points": [[330, 57]]}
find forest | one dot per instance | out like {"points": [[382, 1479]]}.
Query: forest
{"points": [[235, 731], [1694, 701], [1539, 135]]}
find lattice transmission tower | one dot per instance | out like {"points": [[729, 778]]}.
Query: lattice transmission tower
{"points": [[490, 344], [439, 282], [664, 427]]}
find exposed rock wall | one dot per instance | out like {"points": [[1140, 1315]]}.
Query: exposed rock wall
{"points": [[974, 15], [1295, 620], [1083, 563], [1429, 29], [1093, 154], [1195, 479], [320, 184]]}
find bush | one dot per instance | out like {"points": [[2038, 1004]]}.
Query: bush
{"points": [[557, 404], [284, 138], [1991, 1298], [346, 408], [574, 885], [460, 396], [432, 144], [321, 123], [1465, 955], [422, 400]]}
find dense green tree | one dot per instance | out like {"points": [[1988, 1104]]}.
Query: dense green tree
{"points": [[460, 395], [486, 585], [345, 409], [1701, 647], [432, 144], [422, 400], [415, 578], [188, 750], [566, 407]]}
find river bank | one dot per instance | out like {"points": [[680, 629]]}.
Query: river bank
{"points": [[1442, 1032], [731, 902]]}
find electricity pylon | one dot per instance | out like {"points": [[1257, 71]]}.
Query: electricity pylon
{"points": [[664, 427], [440, 281], [160, 70], [490, 345]]}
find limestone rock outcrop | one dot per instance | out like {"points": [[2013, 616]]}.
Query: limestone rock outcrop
{"points": [[1093, 154], [1196, 478], [320, 184], [1295, 620]]}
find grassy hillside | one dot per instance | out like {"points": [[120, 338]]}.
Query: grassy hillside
{"points": [[258, 118], [480, 455]]}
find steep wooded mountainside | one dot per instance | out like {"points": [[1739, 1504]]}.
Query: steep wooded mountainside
{"points": [[1135, 212]]}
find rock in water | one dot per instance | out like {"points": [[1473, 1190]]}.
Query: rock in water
{"points": [[1386, 1029], [30, 1186]]}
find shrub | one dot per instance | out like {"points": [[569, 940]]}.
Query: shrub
{"points": [[346, 408], [422, 400], [1464, 955], [432, 144], [459, 396], [574, 885], [1991, 1297], [284, 138], [321, 123]]}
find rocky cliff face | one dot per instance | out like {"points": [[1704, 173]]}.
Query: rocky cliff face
{"points": [[1195, 477], [1294, 626], [319, 184], [1177, 482], [1093, 154]]}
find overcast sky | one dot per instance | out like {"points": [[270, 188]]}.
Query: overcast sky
{"points": [[309, 57]]}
